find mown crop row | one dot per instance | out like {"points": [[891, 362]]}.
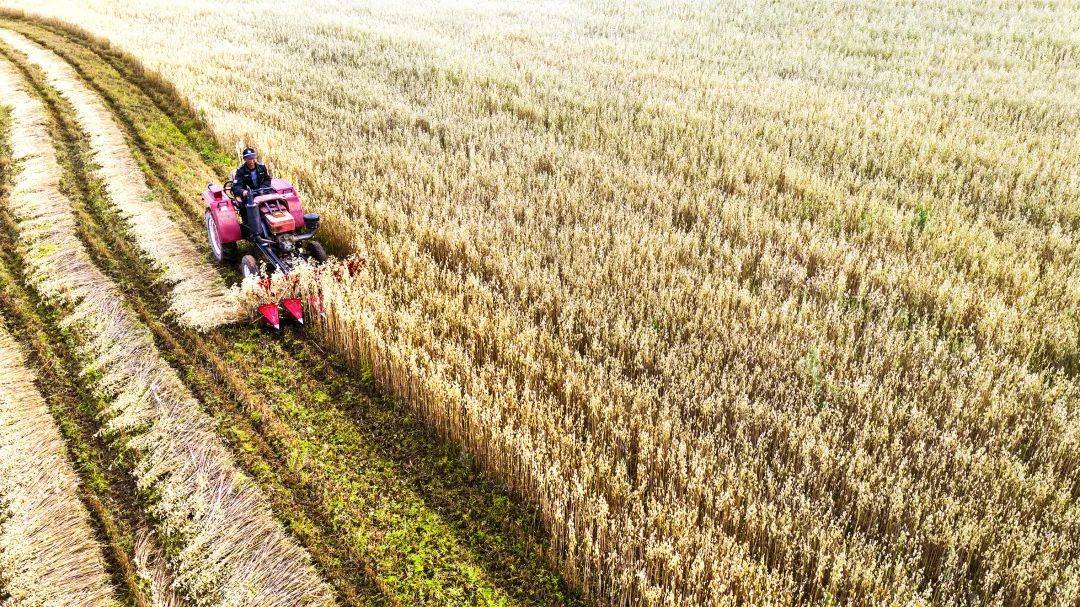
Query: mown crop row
{"points": [[226, 545], [49, 554]]}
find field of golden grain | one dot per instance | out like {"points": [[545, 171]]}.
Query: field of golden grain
{"points": [[762, 303]]}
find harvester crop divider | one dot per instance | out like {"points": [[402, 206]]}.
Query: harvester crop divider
{"points": [[294, 308], [271, 314]]}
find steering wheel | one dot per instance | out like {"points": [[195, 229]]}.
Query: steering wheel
{"points": [[227, 186]]}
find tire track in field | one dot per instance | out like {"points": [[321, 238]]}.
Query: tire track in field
{"points": [[273, 436], [199, 297], [227, 549]]}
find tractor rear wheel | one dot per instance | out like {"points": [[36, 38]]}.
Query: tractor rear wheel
{"points": [[222, 252], [248, 266], [316, 251]]}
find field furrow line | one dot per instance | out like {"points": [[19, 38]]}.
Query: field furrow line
{"points": [[199, 296], [223, 545], [48, 553]]}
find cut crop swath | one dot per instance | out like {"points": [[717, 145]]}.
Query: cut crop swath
{"points": [[48, 552], [199, 296], [224, 545]]}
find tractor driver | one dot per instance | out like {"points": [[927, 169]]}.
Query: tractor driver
{"points": [[250, 178]]}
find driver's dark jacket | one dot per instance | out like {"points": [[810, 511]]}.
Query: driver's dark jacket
{"points": [[242, 179]]}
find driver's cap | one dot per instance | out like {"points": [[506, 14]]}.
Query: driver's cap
{"points": [[249, 153]]}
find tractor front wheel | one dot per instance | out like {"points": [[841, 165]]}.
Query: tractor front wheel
{"points": [[316, 251], [248, 266], [222, 252]]}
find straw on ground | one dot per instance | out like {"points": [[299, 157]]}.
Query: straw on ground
{"points": [[199, 296], [49, 556], [228, 548]]}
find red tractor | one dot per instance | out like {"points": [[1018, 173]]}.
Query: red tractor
{"points": [[289, 235]]}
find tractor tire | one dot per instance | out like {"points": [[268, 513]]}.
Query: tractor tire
{"points": [[316, 251], [248, 266], [224, 253]]}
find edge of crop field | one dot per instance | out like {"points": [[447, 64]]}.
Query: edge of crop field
{"points": [[202, 138], [85, 60], [190, 126]]}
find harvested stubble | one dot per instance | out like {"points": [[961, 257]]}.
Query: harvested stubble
{"points": [[226, 547], [199, 297], [49, 556], [763, 303]]}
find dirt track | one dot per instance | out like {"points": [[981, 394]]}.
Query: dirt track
{"points": [[390, 514]]}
